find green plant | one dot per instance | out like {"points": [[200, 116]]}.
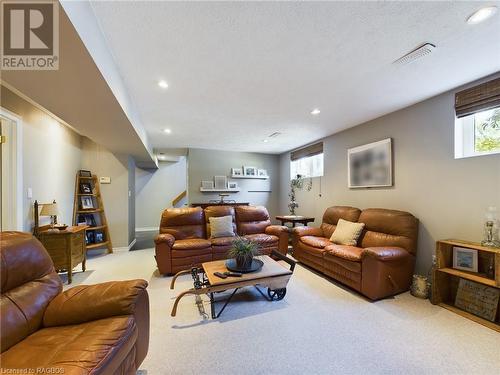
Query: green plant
{"points": [[243, 250]]}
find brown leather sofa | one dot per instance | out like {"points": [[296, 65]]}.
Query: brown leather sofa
{"points": [[380, 266], [88, 329], [184, 239]]}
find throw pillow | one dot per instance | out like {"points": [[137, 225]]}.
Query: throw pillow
{"points": [[347, 233], [221, 226]]}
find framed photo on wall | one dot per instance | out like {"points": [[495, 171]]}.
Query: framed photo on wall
{"points": [[370, 165], [262, 173], [220, 182], [207, 184], [232, 185]]}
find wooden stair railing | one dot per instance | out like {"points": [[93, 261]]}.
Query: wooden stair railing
{"points": [[178, 198]]}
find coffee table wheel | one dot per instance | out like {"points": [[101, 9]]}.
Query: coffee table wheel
{"points": [[276, 294]]}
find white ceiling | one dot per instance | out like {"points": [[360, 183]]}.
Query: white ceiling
{"points": [[239, 71]]}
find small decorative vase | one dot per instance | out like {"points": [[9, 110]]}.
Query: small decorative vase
{"points": [[292, 206], [420, 287]]}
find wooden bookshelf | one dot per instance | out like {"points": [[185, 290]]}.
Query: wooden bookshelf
{"points": [[96, 214], [446, 279]]}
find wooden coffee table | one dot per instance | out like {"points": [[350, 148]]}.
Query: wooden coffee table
{"points": [[273, 276], [295, 219]]}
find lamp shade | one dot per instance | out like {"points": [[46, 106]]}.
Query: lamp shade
{"points": [[49, 209]]}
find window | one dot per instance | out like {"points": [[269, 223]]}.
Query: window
{"points": [[307, 161], [477, 127], [478, 134]]}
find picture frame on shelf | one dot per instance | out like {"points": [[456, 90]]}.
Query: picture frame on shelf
{"points": [[89, 237], [236, 171], [99, 237], [209, 185], [85, 188], [262, 172], [465, 259], [84, 173], [86, 203], [220, 182], [232, 185], [250, 171]]}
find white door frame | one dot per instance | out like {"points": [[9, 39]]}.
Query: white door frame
{"points": [[14, 184]]}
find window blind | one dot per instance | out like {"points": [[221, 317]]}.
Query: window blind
{"points": [[478, 98], [307, 151]]}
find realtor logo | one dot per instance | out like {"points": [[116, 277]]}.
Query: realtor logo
{"points": [[30, 35]]}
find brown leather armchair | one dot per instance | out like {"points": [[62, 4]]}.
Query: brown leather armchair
{"points": [[185, 240], [98, 329], [380, 266]]}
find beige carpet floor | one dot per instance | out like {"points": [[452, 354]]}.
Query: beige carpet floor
{"points": [[319, 328]]}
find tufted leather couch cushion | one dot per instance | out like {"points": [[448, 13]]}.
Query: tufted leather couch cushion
{"points": [[251, 220], [389, 228], [183, 223]]}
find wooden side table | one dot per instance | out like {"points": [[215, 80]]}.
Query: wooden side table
{"points": [[66, 248], [294, 219]]}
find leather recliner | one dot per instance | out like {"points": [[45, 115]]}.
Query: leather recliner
{"points": [[379, 266], [97, 329], [185, 240]]}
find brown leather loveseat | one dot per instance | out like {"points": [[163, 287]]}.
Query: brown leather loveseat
{"points": [[380, 266], [184, 240], [88, 329]]}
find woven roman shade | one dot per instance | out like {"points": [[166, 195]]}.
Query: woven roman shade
{"points": [[307, 151], [478, 98]]}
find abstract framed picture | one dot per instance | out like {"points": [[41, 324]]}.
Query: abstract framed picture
{"points": [[370, 165]]}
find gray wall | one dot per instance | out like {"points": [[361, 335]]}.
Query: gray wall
{"points": [[205, 164], [115, 195], [155, 190], [448, 196], [51, 157]]}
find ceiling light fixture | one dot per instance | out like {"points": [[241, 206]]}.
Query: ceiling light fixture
{"points": [[168, 131], [265, 140], [163, 84], [315, 112], [481, 15]]}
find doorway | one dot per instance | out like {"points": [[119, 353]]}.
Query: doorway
{"points": [[10, 168]]}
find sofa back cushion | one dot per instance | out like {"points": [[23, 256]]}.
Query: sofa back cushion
{"points": [[28, 284], [183, 223], [218, 211], [251, 219], [389, 228], [332, 216]]}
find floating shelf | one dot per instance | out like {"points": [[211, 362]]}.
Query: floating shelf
{"points": [[219, 190], [251, 177]]}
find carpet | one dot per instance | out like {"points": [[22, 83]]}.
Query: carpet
{"points": [[319, 328]]}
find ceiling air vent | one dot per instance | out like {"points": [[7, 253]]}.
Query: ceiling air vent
{"points": [[275, 134], [416, 54]]}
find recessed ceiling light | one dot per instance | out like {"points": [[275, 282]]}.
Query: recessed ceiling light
{"points": [[163, 84], [168, 131], [315, 112], [265, 140], [481, 15]]}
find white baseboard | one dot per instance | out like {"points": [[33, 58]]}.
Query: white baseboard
{"points": [[125, 248], [147, 229]]}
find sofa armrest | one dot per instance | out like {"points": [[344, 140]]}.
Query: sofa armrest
{"points": [[281, 232], [165, 238], [307, 231], [85, 303], [386, 271], [385, 253]]}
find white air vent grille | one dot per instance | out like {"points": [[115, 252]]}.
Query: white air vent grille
{"points": [[416, 54], [275, 134]]}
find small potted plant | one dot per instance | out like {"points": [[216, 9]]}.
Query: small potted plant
{"points": [[243, 251]]}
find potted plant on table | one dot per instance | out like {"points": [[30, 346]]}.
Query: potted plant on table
{"points": [[243, 251]]}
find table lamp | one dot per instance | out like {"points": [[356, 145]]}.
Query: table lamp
{"points": [[50, 209], [491, 228]]}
